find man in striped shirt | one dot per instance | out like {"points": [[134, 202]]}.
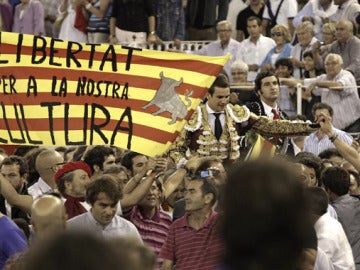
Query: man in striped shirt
{"points": [[152, 224], [193, 241]]}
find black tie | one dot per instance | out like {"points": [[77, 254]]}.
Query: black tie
{"points": [[218, 127]]}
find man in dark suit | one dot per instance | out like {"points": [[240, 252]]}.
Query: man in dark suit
{"points": [[267, 87]]}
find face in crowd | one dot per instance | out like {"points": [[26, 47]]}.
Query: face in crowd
{"points": [[332, 66], [104, 209], [77, 187], [12, 174], [269, 90], [195, 199], [224, 32], [219, 99]]}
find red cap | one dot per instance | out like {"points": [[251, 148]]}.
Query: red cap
{"points": [[72, 166]]}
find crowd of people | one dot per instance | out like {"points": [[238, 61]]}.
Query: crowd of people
{"points": [[202, 205], [249, 183]]}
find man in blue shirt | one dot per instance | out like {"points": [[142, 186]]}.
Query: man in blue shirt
{"points": [[12, 240]]}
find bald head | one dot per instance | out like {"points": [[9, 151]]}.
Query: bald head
{"points": [[47, 163], [48, 215], [344, 30]]}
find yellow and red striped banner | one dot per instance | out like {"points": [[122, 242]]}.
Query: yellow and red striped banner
{"points": [[55, 92]]}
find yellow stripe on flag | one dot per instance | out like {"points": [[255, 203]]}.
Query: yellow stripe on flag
{"points": [[261, 149]]}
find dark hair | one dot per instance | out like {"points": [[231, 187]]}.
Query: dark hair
{"points": [[66, 177], [22, 150], [127, 160], [317, 200], [285, 62], [208, 187], [97, 155], [310, 160], [272, 235], [17, 160], [322, 106], [260, 76], [329, 153], [308, 54], [221, 81], [336, 179], [106, 184], [79, 152], [254, 18], [158, 183]]}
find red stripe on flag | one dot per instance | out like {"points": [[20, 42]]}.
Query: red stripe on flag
{"points": [[142, 131], [73, 75]]}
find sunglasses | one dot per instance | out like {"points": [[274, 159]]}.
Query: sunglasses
{"points": [[276, 34]]}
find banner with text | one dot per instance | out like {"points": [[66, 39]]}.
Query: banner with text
{"points": [[55, 92]]}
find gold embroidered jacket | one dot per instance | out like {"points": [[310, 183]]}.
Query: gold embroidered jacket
{"points": [[197, 137]]}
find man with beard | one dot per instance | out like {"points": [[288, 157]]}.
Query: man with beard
{"points": [[15, 170]]}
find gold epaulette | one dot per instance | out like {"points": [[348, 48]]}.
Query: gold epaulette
{"points": [[194, 122], [238, 113]]}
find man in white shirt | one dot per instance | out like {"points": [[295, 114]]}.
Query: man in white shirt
{"points": [[47, 164], [103, 195], [287, 12], [255, 48], [225, 44], [331, 236]]}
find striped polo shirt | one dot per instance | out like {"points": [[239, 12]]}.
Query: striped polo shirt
{"points": [[152, 231], [191, 249]]}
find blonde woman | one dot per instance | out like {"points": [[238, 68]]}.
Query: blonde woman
{"points": [[281, 35], [321, 49]]}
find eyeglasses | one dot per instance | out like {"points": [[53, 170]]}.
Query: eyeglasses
{"points": [[237, 73], [331, 63], [224, 30], [276, 34], [57, 165]]}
